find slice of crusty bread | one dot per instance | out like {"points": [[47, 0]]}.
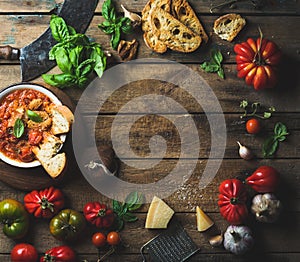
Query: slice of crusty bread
{"points": [[55, 165], [182, 11], [62, 118], [46, 153], [228, 26], [172, 32], [150, 39]]}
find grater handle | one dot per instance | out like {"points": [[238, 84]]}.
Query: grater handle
{"points": [[141, 251]]}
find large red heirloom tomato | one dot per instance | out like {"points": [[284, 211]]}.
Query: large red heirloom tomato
{"points": [[257, 62]]}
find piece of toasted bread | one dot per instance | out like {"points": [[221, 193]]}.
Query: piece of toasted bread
{"points": [[46, 153], [150, 39], [172, 32], [55, 165], [228, 26], [182, 11], [62, 118]]}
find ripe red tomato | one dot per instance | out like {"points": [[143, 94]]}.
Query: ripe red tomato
{"points": [[257, 62], [99, 239], [113, 238], [59, 254], [23, 253], [253, 126]]}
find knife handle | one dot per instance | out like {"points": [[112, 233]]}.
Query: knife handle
{"points": [[9, 53]]}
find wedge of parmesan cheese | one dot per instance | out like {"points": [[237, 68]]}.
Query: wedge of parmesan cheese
{"points": [[203, 221], [159, 214]]}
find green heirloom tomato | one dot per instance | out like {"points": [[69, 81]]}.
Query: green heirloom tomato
{"points": [[67, 225], [14, 218]]}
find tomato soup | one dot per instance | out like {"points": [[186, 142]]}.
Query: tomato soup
{"points": [[23, 121]]}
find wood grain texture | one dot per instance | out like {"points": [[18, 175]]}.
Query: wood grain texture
{"points": [[23, 21]]}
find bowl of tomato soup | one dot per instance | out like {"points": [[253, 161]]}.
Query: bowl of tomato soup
{"points": [[24, 120]]}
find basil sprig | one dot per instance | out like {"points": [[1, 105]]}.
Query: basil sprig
{"points": [[271, 144], [19, 128], [124, 210], [76, 56], [34, 116], [114, 25], [215, 63]]}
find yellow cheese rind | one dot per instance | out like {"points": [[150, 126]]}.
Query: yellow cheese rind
{"points": [[159, 214], [203, 220]]}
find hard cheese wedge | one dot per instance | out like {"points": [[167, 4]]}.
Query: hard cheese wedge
{"points": [[203, 221], [159, 214]]}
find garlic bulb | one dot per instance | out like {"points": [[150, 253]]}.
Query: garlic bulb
{"points": [[134, 18], [266, 207], [244, 152]]}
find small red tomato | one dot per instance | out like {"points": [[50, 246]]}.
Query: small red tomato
{"points": [[253, 126], [113, 238], [23, 253], [99, 239]]}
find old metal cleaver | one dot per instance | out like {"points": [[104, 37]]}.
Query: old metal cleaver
{"points": [[34, 57]]}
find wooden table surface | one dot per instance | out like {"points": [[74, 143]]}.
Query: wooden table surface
{"points": [[23, 21]]}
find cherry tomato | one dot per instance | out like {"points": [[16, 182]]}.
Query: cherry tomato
{"points": [[253, 126], [113, 238], [99, 239], [23, 253]]}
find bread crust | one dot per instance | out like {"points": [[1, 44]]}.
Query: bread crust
{"points": [[150, 39], [228, 26], [182, 11], [172, 32]]}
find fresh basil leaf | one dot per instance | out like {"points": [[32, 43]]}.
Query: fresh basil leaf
{"points": [[19, 128], [131, 199], [126, 26], [100, 63], [115, 38], [59, 28], [63, 60], [112, 14], [107, 29], [217, 56], [129, 217], [74, 55], [85, 68], [119, 224], [117, 207], [221, 73], [269, 146], [34, 116], [71, 30], [210, 68], [281, 138], [106, 7], [60, 80], [54, 50]]}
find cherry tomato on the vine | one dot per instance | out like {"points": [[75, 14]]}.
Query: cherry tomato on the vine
{"points": [[113, 238], [253, 126], [99, 239]]}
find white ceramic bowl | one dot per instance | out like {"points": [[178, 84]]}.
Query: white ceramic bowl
{"points": [[53, 98]]}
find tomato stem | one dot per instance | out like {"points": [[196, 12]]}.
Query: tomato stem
{"points": [[258, 52]]}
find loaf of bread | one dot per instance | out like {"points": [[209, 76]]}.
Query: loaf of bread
{"points": [[46, 153], [149, 38], [228, 26], [62, 118], [172, 32], [182, 11]]}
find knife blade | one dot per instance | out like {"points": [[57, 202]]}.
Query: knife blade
{"points": [[34, 57]]}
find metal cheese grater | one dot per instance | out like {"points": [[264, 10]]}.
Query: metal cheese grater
{"points": [[173, 245]]}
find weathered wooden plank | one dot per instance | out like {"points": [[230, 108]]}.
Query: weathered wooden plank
{"points": [[177, 131], [200, 6], [20, 30], [187, 196], [135, 235], [230, 92]]}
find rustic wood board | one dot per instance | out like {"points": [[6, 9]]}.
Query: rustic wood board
{"points": [[36, 178]]}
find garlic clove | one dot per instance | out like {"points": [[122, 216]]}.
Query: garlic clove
{"points": [[244, 152], [216, 241], [135, 18]]}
